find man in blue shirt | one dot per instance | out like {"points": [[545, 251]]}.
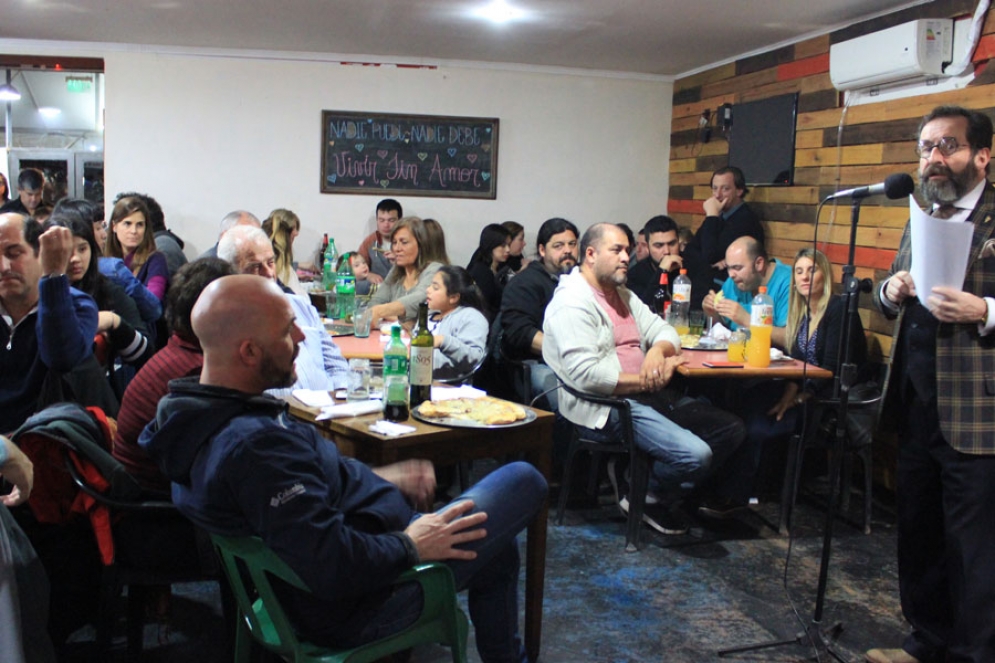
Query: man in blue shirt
{"points": [[749, 268], [45, 326]]}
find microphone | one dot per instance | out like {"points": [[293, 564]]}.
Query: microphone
{"points": [[894, 186]]}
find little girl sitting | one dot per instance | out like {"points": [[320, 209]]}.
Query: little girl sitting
{"points": [[456, 321], [357, 263]]}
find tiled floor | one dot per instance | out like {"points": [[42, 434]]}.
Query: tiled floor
{"points": [[679, 599]]}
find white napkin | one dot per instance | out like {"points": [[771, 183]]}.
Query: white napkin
{"points": [[357, 409], [719, 332], [313, 397], [390, 429], [777, 355], [449, 393]]}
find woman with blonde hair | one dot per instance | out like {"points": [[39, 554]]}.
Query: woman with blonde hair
{"points": [[435, 248], [407, 282], [815, 321], [282, 227], [130, 237]]}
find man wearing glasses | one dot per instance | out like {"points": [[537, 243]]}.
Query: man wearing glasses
{"points": [[944, 380]]}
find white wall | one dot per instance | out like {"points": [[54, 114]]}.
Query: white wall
{"points": [[206, 135]]}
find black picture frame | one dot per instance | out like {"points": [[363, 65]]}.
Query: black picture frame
{"points": [[413, 155]]}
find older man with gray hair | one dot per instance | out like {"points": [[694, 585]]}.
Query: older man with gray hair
{"points": [[232, 219], [320, 364]]}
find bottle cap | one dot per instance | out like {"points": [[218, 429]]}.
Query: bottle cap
{"points": [[684, 271], [763, 289]]}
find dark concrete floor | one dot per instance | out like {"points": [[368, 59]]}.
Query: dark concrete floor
{"points": [[679, 599]]}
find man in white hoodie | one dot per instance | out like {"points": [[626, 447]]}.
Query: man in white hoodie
{"points": [[599, 338]]}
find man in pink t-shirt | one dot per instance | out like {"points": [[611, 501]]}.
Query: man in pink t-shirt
{"points": [[599, 338]]}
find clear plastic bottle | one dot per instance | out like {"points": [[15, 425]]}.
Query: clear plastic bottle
{"points": [[761, 326], [680, 307], [395, 377]]}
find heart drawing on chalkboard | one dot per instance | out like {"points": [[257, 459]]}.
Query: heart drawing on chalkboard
{"points": [[359, 147], [382, 154], [422, 156], [332, 178], [472, 158], [331, 143], [486, 175], [384, 183], [452, 151], [486, 147], [361, 182]]}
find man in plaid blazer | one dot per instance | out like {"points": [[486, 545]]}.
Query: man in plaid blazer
{"points": [[944, 382]]}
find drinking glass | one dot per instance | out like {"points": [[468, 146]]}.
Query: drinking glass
{"points": [[362, 317], [737, 347], [330, 304], [697, 323], [359, 380]]}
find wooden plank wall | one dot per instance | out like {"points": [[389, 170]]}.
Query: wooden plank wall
{"points": [[876, 140]]}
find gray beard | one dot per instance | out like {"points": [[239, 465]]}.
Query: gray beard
{"points": [[954, 188]]}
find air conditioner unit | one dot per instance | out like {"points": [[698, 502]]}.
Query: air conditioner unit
{"points": [[916, 49]]}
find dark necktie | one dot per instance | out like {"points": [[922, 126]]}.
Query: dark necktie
{"points": [[945, 211]]}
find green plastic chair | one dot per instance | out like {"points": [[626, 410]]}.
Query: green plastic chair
{"points": [[262, 617]]}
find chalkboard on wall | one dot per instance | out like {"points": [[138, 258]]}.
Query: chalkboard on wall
{"points": [[413, 155]]}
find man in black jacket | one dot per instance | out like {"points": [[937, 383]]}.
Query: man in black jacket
{"points": [[523, 304], [727, 218], [240, 466], [664, 256]]}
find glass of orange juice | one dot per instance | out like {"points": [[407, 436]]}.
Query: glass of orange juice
{"points": [[737, 347]]}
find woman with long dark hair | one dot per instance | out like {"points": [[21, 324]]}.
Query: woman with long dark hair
{"points": [[517, 260], [488, 260], [131, 238], [119, 320]]}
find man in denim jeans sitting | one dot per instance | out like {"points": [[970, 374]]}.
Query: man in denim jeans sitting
{"points": [[599, 338], [239, 465]]}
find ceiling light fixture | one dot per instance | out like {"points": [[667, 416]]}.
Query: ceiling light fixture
{"points": [[500, 12], [9, 93], [49, 112]]}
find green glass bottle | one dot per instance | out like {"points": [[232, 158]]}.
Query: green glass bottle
{"points": [[395, 377], [422, 358]]}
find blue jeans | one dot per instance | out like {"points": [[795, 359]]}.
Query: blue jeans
{"points": [[685, 437], [511, 496]]}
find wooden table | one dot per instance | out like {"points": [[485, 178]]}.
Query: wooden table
{"points": [[792, 369], [448, 446]]}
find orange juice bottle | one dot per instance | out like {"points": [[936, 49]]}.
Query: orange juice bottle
{"points": [[761, 325]]}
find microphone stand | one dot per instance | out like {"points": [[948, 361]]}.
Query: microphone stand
{"points": [[822, 640]]}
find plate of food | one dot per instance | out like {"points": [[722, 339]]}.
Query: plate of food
{"points": [[483, 412], [695, 342]]}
